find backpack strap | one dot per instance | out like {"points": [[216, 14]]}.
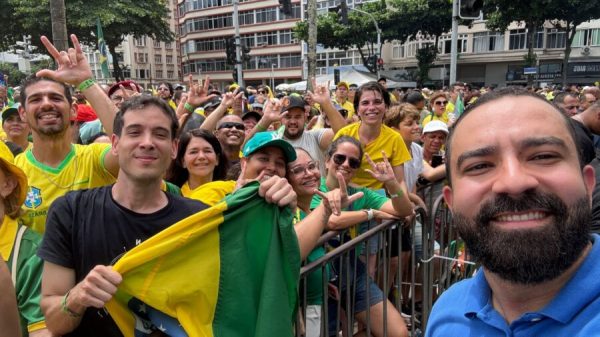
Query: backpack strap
{"points": [[15, 257]]}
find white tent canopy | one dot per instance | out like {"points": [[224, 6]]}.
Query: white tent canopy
{"points": [[351, 76]]}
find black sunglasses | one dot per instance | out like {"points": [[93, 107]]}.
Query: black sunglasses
{"points": [[229, 125], [262, 92], [339, 159]]}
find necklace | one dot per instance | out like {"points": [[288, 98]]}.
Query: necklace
{"points": [[66, 187]]}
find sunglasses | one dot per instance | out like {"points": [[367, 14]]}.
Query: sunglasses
{"points": [[310, 167], [339, 159], [230, 125], [441, 103], [262, 92]]}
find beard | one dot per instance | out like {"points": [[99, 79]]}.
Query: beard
{"points": [[527, 256]]}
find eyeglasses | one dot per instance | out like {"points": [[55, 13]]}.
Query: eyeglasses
{"points": [[300, 169], [262, 92], [230, 125], [339, 159], [441, 103]]}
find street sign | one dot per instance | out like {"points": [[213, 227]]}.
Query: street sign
{"points": [[530, 70]]}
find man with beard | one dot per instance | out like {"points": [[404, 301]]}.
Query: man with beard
{"points": [[520, 198], [294, 119], [55, 166]]}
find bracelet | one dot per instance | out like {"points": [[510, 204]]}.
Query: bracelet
{"points": [[188, 107], [66, 309], [260, 127], [369, 213], [397, 194], [86, 84]]}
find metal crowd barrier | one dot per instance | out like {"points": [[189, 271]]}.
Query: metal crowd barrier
{"points": [[437, 270]]}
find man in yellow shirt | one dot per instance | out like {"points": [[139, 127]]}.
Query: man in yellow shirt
{"points": [[341, 98], [55, 166]]}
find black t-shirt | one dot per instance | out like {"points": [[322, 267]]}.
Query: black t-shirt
{"points": [[88, 228]]}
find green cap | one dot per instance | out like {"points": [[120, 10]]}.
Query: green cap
{"points": [[261, 140]]}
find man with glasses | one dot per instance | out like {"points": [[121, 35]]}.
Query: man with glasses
{"points": [[231, 134]]}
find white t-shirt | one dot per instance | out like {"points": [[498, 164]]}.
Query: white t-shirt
{"points": [[310, 141], [414, 167]]}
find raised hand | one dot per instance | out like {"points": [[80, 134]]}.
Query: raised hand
{"points": [[337, 200], [73, 67], [382, 171], [272, 111], [321, 92], [198, 92], [228, 99]]}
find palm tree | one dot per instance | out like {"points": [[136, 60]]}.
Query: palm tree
{"points": [[59, 24]]}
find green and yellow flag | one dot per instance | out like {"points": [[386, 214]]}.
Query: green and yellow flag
{"points": [[102, 50], [230, 270]]}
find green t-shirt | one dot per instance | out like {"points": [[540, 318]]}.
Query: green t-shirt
{"points": [[370, 199], [314, 280]]}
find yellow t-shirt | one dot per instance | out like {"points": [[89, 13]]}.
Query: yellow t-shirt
{"points": [[82, 168], [209, 193], [432, 116], [348, 106], [449, 108], [389, 141]]}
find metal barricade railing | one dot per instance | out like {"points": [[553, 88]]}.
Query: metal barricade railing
{"points": [[412, 290]]}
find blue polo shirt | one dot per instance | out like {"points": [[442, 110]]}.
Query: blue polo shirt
{"points": [[466, 308]]}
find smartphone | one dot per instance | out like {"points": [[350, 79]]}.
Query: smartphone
{"points": [[437, 160]]}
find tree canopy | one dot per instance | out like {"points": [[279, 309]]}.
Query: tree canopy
{"points": [[397, 19], [118, 18]]}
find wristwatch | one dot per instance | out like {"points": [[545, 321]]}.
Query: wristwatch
{"points": [[369, 213]]}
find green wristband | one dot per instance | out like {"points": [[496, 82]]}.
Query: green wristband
{"points": [[66, 309], [86, 84], [188, 107]]}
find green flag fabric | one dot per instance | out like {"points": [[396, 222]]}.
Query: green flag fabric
{"points": [[230, 270], [102, 50]]}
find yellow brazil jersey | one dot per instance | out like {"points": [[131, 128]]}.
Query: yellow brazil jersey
{"points": [[209, 193], [431, 116], [389, 141], [82, 168]]}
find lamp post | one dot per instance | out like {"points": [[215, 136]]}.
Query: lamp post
{"points": [[273, 76], [378, 35]]}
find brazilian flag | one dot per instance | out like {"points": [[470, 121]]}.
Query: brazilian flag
{"points": [[230, 270]]}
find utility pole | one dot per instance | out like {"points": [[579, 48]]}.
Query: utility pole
{"points": [[454, 43], [238, 44], [312, 42]]}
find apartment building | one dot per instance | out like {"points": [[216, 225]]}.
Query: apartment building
{"points": [[144, 60], [488, 58], [204, 25]]}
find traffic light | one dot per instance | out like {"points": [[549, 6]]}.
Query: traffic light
{"points": [[230, 50], [470, 9], [245, 53], [286, 6], [235, 76], [372, 61], [336, 76], [342, 12]]}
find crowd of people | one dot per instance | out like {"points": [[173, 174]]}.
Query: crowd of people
{"points": [[88, 172]]}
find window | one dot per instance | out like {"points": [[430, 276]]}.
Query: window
{"points": [[294, 15], [446, 44], [170, 74], [158, 59], [290, 60], [168, 45], [411, 48], [265, 61], [156, 44], [587, 37], [246, 18], [169, 59], [140, 57], [517, 39], [142, 73], [397, 50], [266, 15], [140, 42], [488, 41], [266, 38], [159, 73], [555, 39], [285, 36]]}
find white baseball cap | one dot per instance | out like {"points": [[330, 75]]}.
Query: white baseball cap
{"points": [[434, 126]]}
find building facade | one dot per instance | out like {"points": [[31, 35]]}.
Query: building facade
{"points": [[274, 56], [497, 58]]}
